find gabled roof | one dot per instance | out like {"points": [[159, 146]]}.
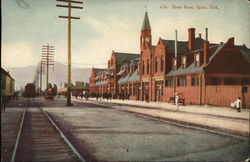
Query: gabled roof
{"points": [[133, 78], [125, 65], [190, 69], [245, 52], [202, 49], [146, 23], [217, 51], [121, 57], [101, 82], [182, 46], [132, 63], [98, 71], [124, 79], [6, 73]]}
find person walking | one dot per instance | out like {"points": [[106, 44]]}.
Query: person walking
{"points": [[177, 100], [238, 104]]}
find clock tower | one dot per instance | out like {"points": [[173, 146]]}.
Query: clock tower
{"points": [[146, 37]]}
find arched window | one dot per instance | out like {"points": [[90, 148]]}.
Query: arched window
{"points": [[147, 66], [162, 63], [156, 64], [143, 67]]}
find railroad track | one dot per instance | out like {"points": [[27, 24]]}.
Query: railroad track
{"points": [[40, 139]]}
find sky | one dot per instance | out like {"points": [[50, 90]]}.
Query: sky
{"points": [[107, 25]]}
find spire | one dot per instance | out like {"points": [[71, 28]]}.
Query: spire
{"points": [[146, 23]]}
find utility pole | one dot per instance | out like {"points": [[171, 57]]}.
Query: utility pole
{"points": [[69, 17], [47, 59]]}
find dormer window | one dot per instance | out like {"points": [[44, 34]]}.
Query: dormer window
{"points": [[175, 64], [183, 63], [197, 60]]}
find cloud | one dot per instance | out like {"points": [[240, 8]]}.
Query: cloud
{"points": [[113, 34], [19, 54]]}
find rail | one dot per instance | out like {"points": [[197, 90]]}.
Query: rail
{"points": [[65, 138], [18, 136]]}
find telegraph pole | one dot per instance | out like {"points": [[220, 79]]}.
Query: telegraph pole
{"points": [[47, 59], [69, 17]]}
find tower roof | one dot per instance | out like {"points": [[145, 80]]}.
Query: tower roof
{"points": [[146, 23]]}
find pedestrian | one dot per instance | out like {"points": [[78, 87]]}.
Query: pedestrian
{"points": [[87, 96], [238, 104], [147, 98], [177, 101]]}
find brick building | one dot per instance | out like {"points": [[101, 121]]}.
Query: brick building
{"points": [[199, 71]]}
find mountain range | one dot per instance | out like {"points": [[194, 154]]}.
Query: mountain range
{"points": [[57, 75]]}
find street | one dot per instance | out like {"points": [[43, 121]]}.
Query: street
{"points": [[105, 133]]}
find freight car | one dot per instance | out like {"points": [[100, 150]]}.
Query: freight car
{"points": [[7, 85]]}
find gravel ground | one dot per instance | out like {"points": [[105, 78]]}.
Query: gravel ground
{"points": [[111, 135]]}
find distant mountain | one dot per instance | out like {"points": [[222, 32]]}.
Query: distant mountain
{"points": [[57, 75]]}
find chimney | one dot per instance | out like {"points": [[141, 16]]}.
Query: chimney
{"points": [[199, 35], [206, 30], [191, 38], [206, 52], [175, 45]]}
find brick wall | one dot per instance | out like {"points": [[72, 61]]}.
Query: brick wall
{"points": [[225, 94], [190, 94]]}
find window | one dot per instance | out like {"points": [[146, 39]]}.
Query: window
{"points": [[183, 63], [156, 64], [182, 82], [229, 81], [162, 63], [147, 67], [195, 81], [175, 64], [214, 81], [169, 83], [197, 60], [143, 67], [245, 81]]}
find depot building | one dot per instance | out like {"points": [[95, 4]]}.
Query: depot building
{"points": [[199, 71]]}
